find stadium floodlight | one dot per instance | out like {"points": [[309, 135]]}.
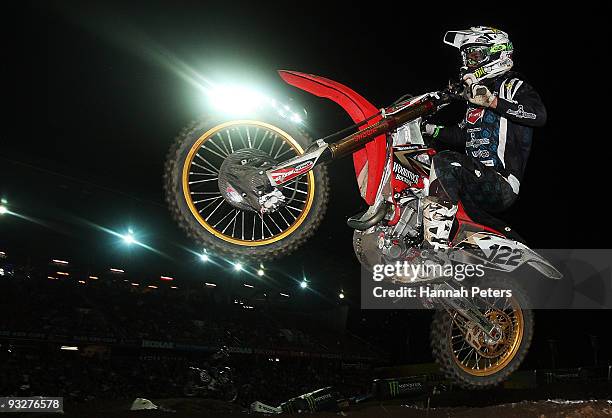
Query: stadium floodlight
{"points": [[129, 238], [3, 209], [262, 270], [284, 295], [173, 287], [3, 201], [1, 272], [152, 286], [341, 295], [204, 257], [81, 281], [237, 266], [210, 284], [94, 277], [167, 278], [235, 99], [56, 261], [62, 273], [135, 284], [248, 285], [113, 270], [69, 348], [304, 284]]}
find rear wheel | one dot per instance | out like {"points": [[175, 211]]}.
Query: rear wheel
{"points": [[190, 389], [230, 393], [490, 363], [194, 192]]}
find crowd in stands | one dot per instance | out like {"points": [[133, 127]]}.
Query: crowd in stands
{"points": [[33, 371], [116, 309], [37, 313]]}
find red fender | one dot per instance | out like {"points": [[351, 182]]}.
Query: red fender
{"points": [[358, 109], [464, 219]]}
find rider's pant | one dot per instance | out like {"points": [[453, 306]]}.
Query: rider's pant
{"points": [[460, 177]]}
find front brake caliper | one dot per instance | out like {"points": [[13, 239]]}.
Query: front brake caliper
{"points": [[270, 202]]}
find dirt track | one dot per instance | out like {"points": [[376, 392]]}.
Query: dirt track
{"points": [[525, 409], [495, 403], [540, 409]]}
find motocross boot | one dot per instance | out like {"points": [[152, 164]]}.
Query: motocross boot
{"points": [[438, 217]]}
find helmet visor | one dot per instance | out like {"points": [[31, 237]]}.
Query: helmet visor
{"points": [[474, 56]]}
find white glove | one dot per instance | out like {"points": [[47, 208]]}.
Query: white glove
{"points": [[428, 129], [475, 93]]}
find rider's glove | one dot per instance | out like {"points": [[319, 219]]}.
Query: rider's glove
{"points": [[475, 93], [429, 129]]}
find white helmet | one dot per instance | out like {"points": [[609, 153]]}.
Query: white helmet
{"points": [[486, 52]]}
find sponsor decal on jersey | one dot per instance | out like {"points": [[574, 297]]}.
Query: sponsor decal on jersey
{"points": [[474, 115], [405, 175], [520, 113], [481, 153], [476, 142], [285, 174]]}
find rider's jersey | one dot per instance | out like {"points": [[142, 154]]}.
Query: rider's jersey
{"points": [[501, 137]]}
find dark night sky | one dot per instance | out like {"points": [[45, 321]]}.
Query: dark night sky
{"points": [[91, 97], [95, 98]]}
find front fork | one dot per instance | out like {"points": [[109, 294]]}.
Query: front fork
{"points": [[322, 152]]}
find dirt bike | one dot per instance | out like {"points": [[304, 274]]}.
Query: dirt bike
{"points": [[212, 382], [258, 187]]}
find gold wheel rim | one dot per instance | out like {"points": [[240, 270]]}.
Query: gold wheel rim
{"points": [[512, 343], [196, 214]]}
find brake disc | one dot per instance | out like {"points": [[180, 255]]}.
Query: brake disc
{"points": [[241, 175]]}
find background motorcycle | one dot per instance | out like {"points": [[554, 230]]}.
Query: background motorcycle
{"points": [[258, 187], [212, 381]]}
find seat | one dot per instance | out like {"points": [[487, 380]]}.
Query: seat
{"points": [[485, 218]]}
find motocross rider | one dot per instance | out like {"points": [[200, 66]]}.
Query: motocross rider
{"points": [[496, 133]]}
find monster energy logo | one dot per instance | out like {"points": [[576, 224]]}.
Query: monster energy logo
{"points": [[394, 388], [311, 403]]}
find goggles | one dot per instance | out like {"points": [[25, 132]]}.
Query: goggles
{"points": [[474, 56]]}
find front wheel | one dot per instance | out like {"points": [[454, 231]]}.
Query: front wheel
{"points": [[483, 364], [199, 201]]}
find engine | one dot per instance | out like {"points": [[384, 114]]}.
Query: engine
{"points": [[386, 244], [408, 180]]}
